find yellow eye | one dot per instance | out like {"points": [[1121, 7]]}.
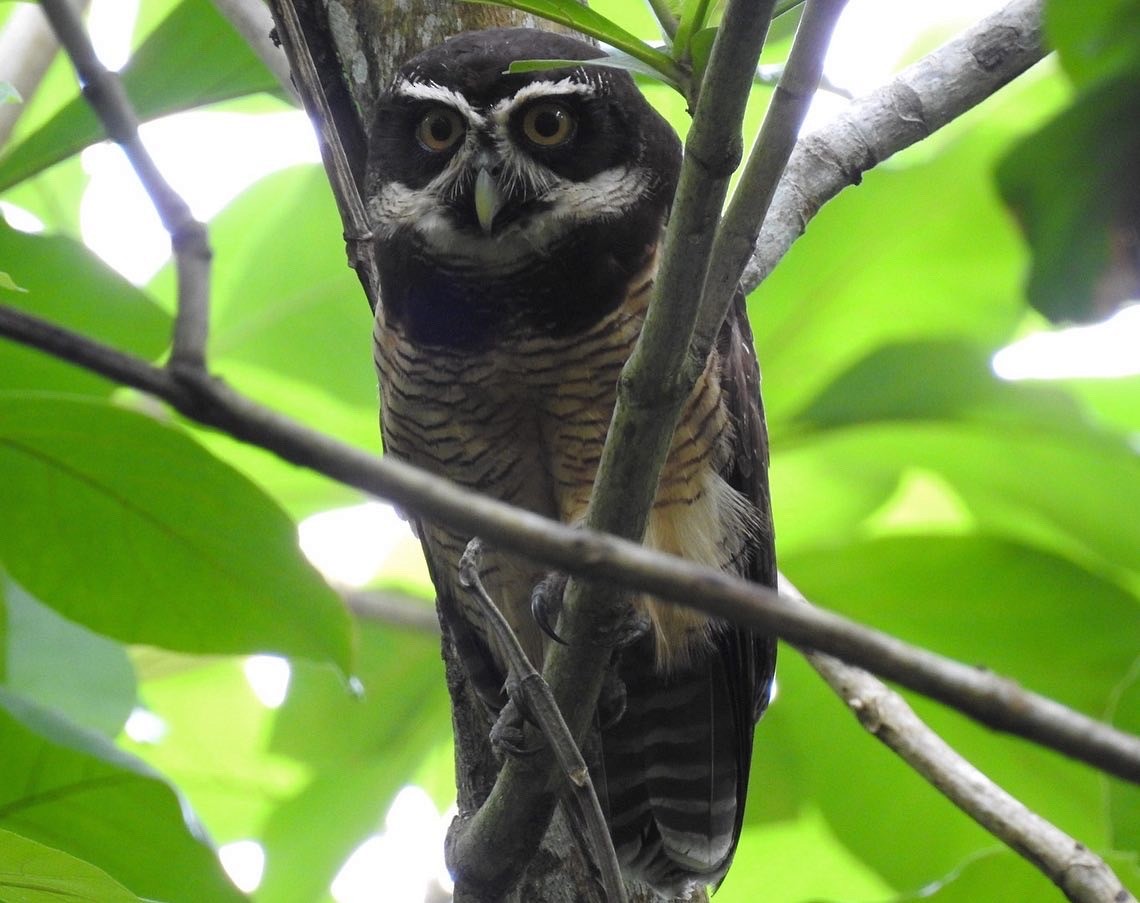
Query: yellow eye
{"points": [[548, 124], [440, 129]]}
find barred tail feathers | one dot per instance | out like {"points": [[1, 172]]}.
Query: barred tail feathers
{"points": [[673, 775]]}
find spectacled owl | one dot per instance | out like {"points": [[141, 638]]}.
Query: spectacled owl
{"points": [[518, 221]]}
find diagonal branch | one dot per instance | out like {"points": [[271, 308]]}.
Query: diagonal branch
{"points": [[921, 99], [1082, 875], [989, 698], [107, 97]]}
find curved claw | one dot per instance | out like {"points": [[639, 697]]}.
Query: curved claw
{"points": [[543, 605]]}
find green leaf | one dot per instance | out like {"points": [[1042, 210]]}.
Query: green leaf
{"points": [[75, 791], [615, 59], [130, 528], [9, 94], [692, 20], [797, 859], [380, 742], [581, 18], [192, 59], [213, 741], [60, 665], [70, 286], [878, 265], [272, 328], [1073, 188], [1124, 797], [33, 873], [1095, 39]]}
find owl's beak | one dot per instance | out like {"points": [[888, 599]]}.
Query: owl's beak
{"points": [[488, 199]]}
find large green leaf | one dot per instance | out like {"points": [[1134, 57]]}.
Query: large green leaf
{"points": [[213, 741], [75, 792], [1073, 188], [193, 58], [291, 327], [379, 743], [62, 666], [878, 265], [130, 528], [33, 873], [67, 284], [1095, 39]]}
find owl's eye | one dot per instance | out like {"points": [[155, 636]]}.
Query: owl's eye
{"points": [[440, 129], [548, 124]]}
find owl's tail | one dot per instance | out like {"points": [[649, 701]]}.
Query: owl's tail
{"points": [[674, 772]]}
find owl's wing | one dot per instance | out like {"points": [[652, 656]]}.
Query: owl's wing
{"points": [[749, 658]]}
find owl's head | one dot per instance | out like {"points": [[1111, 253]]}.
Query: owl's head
{"points": [[491, 174]]}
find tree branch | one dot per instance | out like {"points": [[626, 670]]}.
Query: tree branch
{"points": [[251, 19], [984, 696], [1082, 875], [651, 392], [532, 699], [917, 102], [338, 167], [742, 221], [104, 92]]}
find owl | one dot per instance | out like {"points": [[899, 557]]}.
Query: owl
{"points": [[518, 222]]}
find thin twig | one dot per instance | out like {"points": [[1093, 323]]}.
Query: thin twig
{"points": [[983, 695], [393, 608], [532, 696], [737, 233], [357, 231], [1082, 875], [107, 97], [917, 102]]}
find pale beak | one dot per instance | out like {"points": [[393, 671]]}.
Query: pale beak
{"points": [[488, 200]]}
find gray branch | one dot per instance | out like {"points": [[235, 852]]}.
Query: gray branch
{"points": [[924, 97], [1082, 875], [107, 97], [989, 698]]}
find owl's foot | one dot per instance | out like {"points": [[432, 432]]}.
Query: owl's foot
{"points": [[507, 733], [546, 606]]}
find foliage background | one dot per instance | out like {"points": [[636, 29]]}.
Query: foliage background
{"points": [[144, 557]]}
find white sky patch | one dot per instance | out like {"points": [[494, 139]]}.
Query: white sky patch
{"points": [[244, 862], [110, 23], [1105, 350], [20, 219], [350, 545], [268, 677], [405, 860], [874, 39], [144, 726]]}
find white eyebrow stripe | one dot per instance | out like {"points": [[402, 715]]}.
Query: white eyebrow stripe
{"points": [[430, 91], [501, 111]]}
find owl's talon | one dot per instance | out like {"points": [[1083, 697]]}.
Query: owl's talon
{"points": [[611, 700], [507, 733], [546, 604]]}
